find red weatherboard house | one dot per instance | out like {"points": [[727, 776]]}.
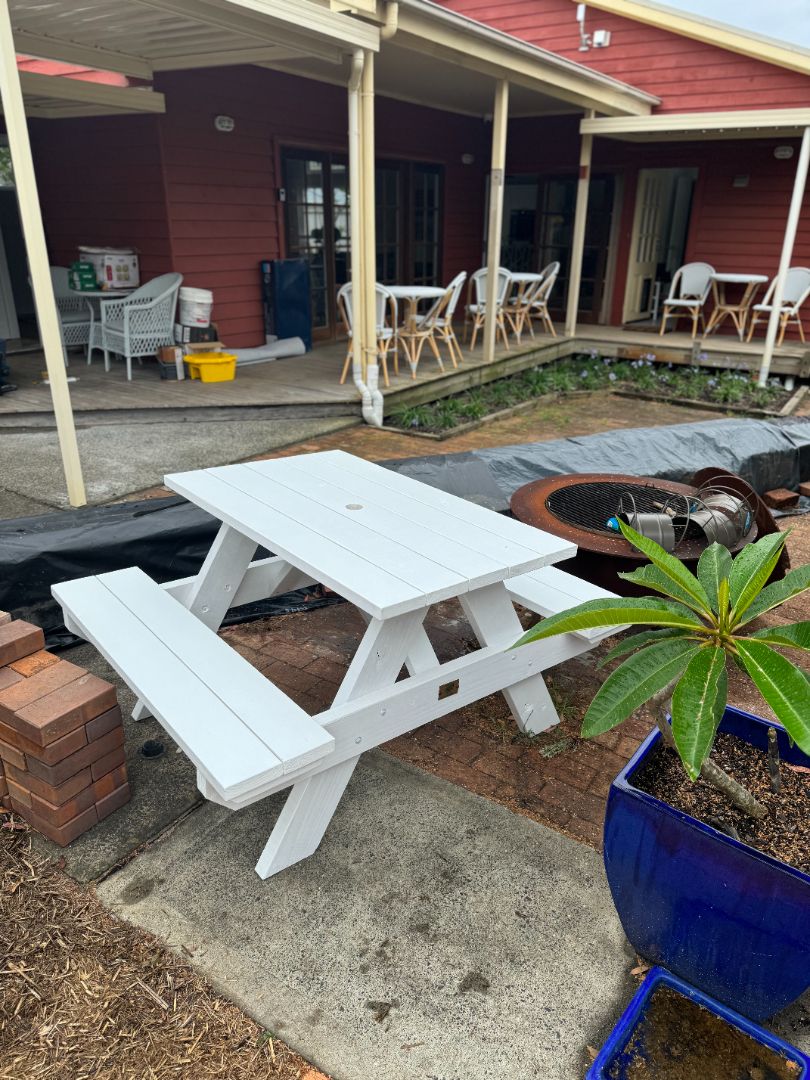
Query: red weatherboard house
{"points": [[681, 136]]}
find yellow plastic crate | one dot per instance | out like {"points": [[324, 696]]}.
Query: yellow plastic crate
{"points": [[212, 366]]}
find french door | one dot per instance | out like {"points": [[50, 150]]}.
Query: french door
{"points": [[408, 199]]}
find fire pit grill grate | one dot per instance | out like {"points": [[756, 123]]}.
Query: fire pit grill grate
{"points": [[589, 505]]}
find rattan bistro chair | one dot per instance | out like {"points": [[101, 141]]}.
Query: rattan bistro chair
{"points": [[796, 291], [443, 324], [687, 295], [539, 298], [385, 322], [476, 310], [138, 325], [75, 311]]}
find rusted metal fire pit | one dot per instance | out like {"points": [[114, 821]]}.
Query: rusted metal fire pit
{"points": [[578, 507]]}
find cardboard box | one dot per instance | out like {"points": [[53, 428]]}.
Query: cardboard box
{"points": [[183, 335], [116, 268], [191, 347], [170, 358]]}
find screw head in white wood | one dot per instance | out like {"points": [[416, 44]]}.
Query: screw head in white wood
{"points": [[354, 506]]}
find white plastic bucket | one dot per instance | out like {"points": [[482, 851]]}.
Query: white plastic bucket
{"points": [[195, 307]]}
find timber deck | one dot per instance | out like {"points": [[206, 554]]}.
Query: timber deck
{"points": [[308, 386]]}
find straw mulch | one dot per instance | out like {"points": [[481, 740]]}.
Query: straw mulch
{"points": [[84, 996]]}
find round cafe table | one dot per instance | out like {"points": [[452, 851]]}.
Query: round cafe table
{"points": [[411, 295], [737, 310]]}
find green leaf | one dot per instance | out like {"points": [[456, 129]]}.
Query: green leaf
{"points": [[751, 569], [791, 636], [636, 641], [785, 688], [714, 566], [668, 564], [797, 581], [697, 705], [613, 612], [634, 683], [653, 578]]}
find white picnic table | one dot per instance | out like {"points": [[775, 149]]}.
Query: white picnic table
{"points": [[388, 544]]}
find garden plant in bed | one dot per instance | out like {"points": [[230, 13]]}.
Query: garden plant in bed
{"points": [[706, 846], [592, 372]]}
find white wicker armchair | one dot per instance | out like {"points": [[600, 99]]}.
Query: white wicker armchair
{"points": [[141, 323], [75, 312]]}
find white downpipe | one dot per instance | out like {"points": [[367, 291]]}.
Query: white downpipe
{"points": [[792, 225], [365, 388], [391, 24], [38, 263]]}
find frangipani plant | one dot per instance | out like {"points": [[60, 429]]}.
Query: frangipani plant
{"points": [[700, 625]]}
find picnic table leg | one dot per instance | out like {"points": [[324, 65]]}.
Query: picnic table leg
{"points": [[312, 802], [494, 621], [215, 586]]}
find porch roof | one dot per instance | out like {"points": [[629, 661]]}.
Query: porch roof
{"points": [[142, 36], [55, 97], [668, 127]]}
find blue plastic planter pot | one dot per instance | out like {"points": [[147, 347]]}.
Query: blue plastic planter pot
{"points": [[720, 914], [612, 1056]]}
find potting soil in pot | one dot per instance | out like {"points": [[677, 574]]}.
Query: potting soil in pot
{"points": [[782, 833], [677, 1039]]}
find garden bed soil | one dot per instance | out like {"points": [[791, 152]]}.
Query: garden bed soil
{"points": [[791, 404], [782, 833], [677, 1039]]}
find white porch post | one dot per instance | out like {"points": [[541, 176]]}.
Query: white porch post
{"points": [[794, 213], [578, 238], [31, 218], [500, 119], [369, 232]]}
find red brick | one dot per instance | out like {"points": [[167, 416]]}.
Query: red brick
{"points": [[55, 794], [494, 765], [107, 763], [30, 665], [104, 723], [64, 710], [290, 652], [579, 774], [48, 755], [73, 763], [114, 801], [61, 815], [587, 831], [66, 833], [5, 616], [12, 754], [781, 498], [327, 669], [804, 489], [29, 690], [20, 796], [8, 676], [454, 746], [107, 783], [18, 639]]}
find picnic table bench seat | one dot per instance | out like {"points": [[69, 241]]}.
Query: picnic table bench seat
{"points": [[239, 729], [550, 590]]}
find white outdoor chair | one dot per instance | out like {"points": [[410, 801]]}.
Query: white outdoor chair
{"points": [[538, 300], [385, 322], [477, 307], [427, 328], [139, 324], [444, 323], [687, 295], [75, 312], [796, 291]]}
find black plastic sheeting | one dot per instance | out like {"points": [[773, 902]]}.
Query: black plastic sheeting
{"points": [[767, 453], [169, 538]]}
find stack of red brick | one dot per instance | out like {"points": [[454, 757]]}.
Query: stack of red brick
{"points": [[61, 738]]}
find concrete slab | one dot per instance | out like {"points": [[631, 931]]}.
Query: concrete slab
{"points": [[120, 458], [163, 789], [434, 934]]}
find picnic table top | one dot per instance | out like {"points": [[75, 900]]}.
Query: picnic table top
{"points": [[385, 542]]}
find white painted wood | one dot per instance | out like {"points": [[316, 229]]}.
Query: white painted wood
{"points": [[220, 576], [263, 579], [550, 591], [363, 723], [228, 717], [312, 802], [438, 523], [495, 622]]}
